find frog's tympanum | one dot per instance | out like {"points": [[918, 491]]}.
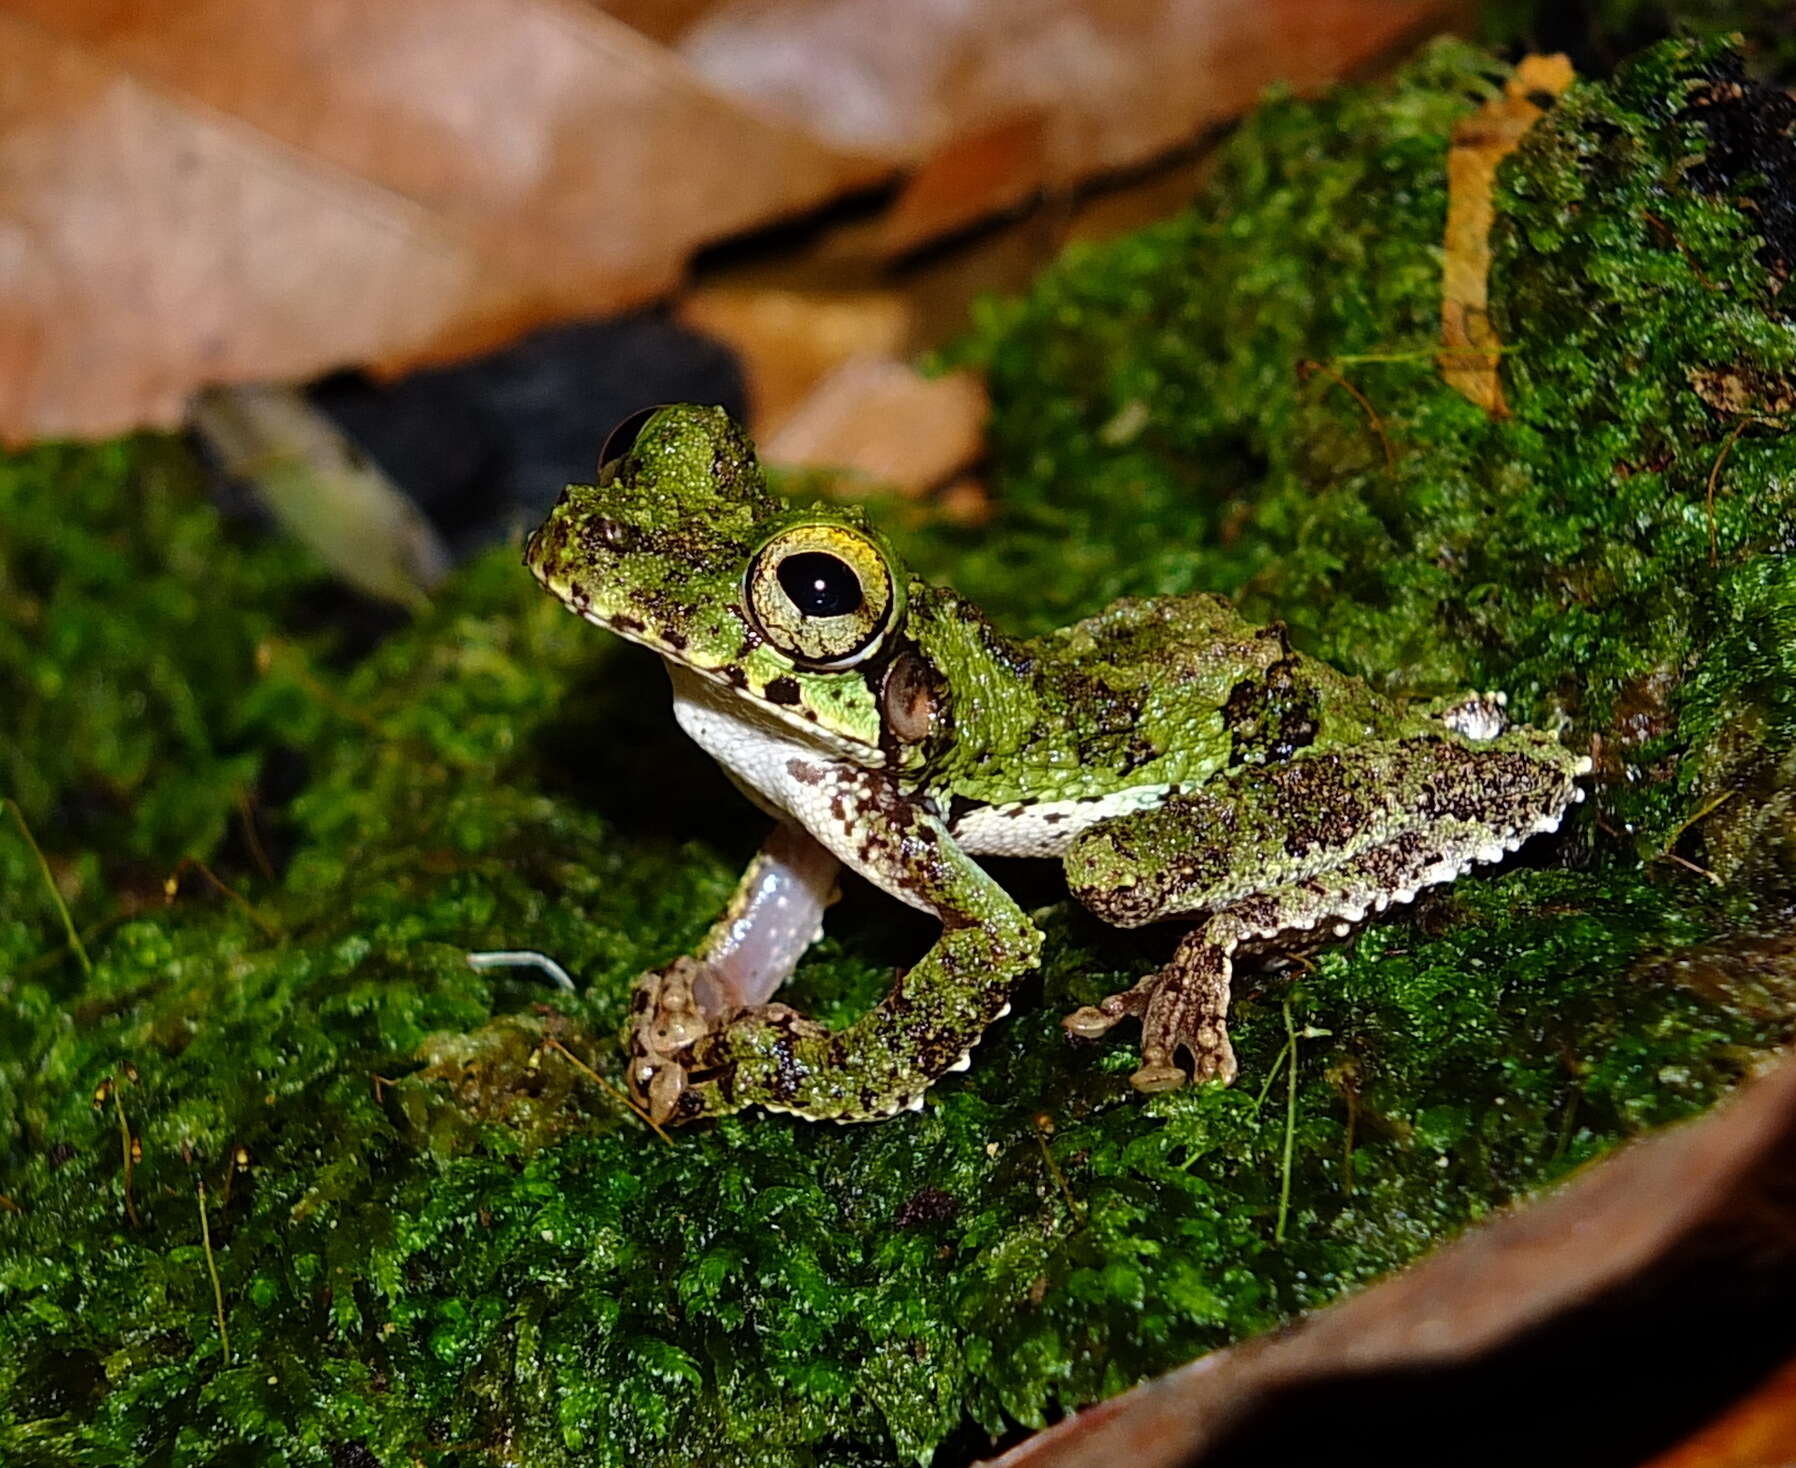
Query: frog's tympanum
{"points": [[1182, 764]]}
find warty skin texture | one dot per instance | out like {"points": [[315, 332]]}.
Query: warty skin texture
{"points": [[1184, 763]]}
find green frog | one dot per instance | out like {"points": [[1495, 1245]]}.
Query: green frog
{"points": [[1182, 764]]}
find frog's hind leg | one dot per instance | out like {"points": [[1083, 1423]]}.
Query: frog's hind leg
{"points": [[1182, 1007]]}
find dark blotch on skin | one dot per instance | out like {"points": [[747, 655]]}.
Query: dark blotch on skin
{"points": [[783, 690], [1272, 716]]}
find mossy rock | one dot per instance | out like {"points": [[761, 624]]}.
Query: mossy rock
{"points": [[436, 1238]]}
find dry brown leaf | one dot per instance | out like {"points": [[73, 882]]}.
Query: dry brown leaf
{"points": [[788, 340], [1756, 1432], [1470, 348], [1673, 1195], [1019, 95], [882, 419], [1744, 390], [221, 190]]}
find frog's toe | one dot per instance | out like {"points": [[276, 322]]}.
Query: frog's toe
{"points": [[1092, 1021], [1157, 1077], [662, 1084], [1212, 1057], [1175, 1025]]}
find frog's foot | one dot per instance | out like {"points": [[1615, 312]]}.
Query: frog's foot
{"points": [[666, 1020], [682, 1050], [1183, 1006]]}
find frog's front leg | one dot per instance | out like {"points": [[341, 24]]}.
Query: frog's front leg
{"points": [[774, 915], [933, 1015]]}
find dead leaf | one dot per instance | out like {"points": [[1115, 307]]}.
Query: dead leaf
{"points": [[1756, 1432], [211, 191], [789, 340], [1470, 348], [324, 490], [884, 421], [1688, 1192], [247, 189], [1744, 390], [1029, 94]]}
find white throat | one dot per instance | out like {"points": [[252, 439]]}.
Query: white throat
{"points": [[755, 747]]}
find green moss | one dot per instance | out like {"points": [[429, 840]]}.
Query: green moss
{"points": [[443, 1240]]}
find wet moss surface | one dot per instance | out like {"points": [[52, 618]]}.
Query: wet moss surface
{"points": [[438, 1239]]}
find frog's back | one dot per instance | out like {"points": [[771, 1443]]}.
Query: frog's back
{"points": [[1200, 642], [1201, 688]]}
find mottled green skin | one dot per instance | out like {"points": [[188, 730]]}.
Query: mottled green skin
{"points": [[1293, 795]]}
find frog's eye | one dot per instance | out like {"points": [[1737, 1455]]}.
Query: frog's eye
{"points": [[622, 439], [821, 594]]}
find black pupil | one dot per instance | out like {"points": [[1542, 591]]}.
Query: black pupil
{"points": [[820, 585]]}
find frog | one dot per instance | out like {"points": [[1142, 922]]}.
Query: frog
{"points": [[1182, 764]]}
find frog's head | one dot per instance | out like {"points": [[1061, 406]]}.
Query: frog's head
{"points": [[680, 547]]}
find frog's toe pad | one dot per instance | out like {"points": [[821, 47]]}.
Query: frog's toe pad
{"points": [[1152, 1078], [1091, 1022]]}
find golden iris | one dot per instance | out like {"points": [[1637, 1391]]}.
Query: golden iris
{"points": [[821, 594]]}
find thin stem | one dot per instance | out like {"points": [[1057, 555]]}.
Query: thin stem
{"points": [[124, 1133], [611, 1090], [62, 908], [224, 1336], [1284, 1189]]}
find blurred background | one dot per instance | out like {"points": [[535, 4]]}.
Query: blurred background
{"points": [[476, 233]]}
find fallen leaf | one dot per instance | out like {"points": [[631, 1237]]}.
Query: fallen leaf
{"points": [[1757, 1432], [1743, 390], [1690, 1192], [998, 100], [240, 190], [882, 420], [323, 489], [1470, 347], [789, 340], [210, 191]]}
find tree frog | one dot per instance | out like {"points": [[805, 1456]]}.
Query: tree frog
{"points": [[1182, 764]]}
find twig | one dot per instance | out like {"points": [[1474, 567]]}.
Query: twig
{"points": [[224, 1336], [1689, 821], [257, 853], [1306, 367], [611, 1090], [522, 958], [1709, 499], [62, 908], [173, 885], [1691, 866], [1044, 1128]]}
